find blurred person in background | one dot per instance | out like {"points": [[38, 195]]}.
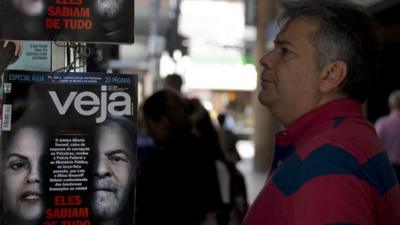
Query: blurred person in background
{"points": [[203, 128], [173, 82], [229, 205], [229, 138], [172, 184], [388, 129], [329, 166]]}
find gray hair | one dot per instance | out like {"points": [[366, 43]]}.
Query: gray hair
{"points": [[394, 99], [346, 33]]}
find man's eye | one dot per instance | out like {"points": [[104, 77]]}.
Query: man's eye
{"points": [[284, 50], [117, 158]]}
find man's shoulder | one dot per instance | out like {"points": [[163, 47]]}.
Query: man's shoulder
{"points": [[355, 136], [345, 146], [327, 161], [383, 120], [387, 122]]}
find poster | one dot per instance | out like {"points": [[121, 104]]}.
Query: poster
{"points": [[68, 148], [109, 21]]}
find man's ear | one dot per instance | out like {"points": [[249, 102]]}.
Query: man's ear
{"points": [[332, 75]]}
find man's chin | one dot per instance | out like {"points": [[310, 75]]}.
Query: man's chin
{"points": [[264, 98], [103, 197], [105, 204]]}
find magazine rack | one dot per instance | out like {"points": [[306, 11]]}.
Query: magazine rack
{"points": [[69, 56]]}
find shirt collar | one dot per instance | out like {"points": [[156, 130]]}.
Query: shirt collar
{"points": [[339, 108]]}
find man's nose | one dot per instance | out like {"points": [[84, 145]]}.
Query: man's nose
{"points": [[102, 169], [267, 60]]}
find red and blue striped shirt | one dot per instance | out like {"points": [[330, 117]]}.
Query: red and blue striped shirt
{"points": [[332, 171]]}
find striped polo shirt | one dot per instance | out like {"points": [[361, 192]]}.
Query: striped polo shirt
{"points": [[329, 169]]}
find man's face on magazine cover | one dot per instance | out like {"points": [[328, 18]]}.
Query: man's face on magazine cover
{"points": [[109, 8], [113, 174], [29, 7], [22, 179]]}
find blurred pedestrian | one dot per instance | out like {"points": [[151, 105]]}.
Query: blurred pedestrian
{"points": [[229, 138], [172, 187], [388, 129], [230, 204], [173, 82]]}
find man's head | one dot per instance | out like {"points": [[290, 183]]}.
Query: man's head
{"points": [[174, 82], [165, 116], [394, 100], [326, 50], [115, 167]]}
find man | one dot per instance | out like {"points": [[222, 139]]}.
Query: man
{"points": [[174, 82], [115, 172], [176, 181], [388, 129], [229, 138], [332, 169]]}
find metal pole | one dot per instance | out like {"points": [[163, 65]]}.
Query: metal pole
{"points": [[153, 44]]}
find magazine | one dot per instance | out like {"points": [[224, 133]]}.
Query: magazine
{"points": [[68, 148], [109, 21], [36, 55]]}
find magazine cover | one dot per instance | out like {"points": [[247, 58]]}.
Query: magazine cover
{"points": [[68, 148], [110, 21]]}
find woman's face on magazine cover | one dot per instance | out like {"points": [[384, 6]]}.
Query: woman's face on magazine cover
{"points": [[29, 7], [22, 179]]}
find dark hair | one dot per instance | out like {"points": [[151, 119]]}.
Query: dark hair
{"points": [[173, 81], [127, 126], [205, 129], [221, 119], [168, 104], [346, 33]]}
